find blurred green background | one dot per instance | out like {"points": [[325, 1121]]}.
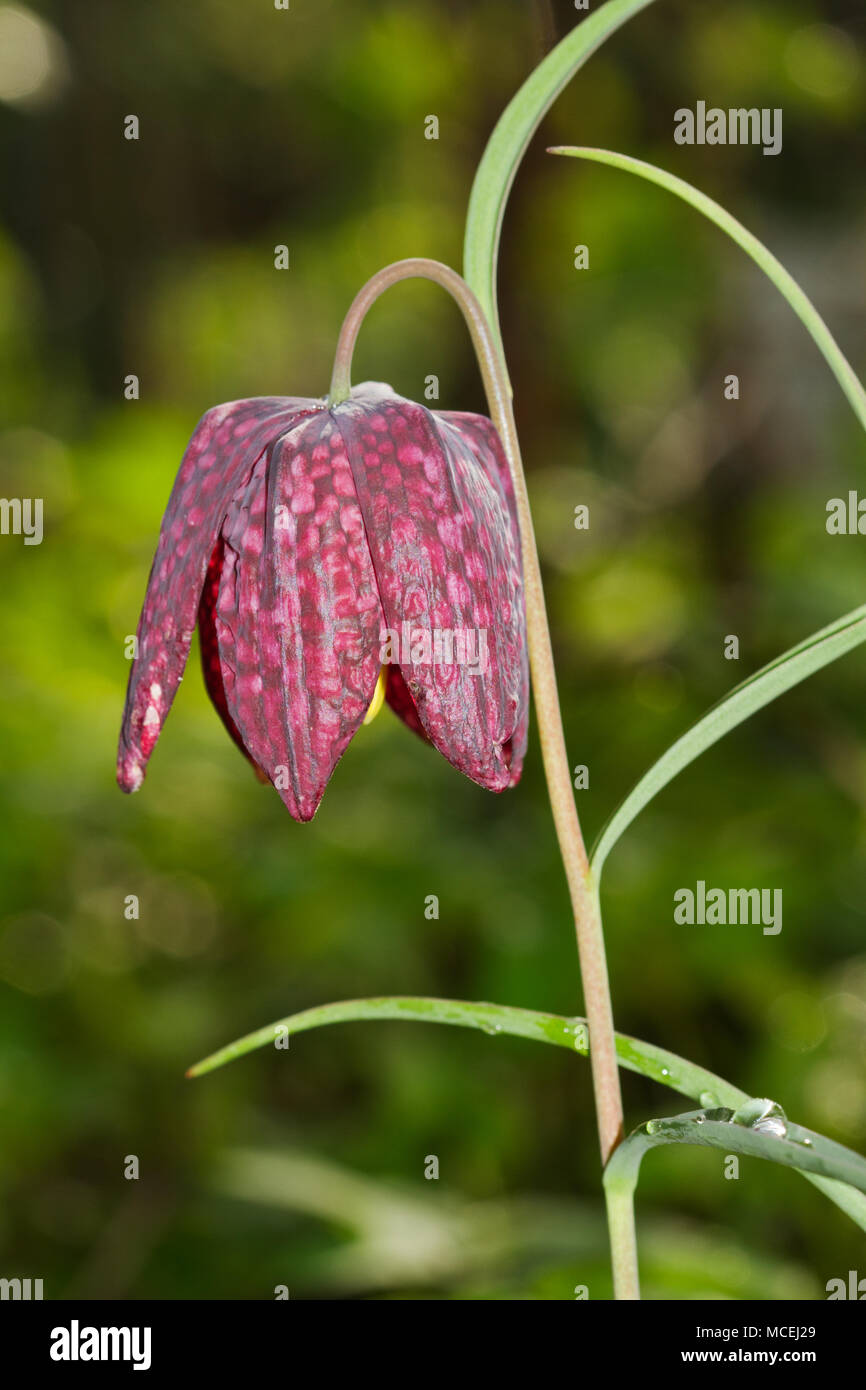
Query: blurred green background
{"points": [[306, 1168]]}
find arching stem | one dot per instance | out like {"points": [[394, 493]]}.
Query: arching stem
{"points": [[584, 898]]}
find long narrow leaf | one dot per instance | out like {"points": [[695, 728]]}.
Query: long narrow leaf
{"points": [[784, 282], [513, 132], [796, 1147], [494, 1020], [499, 1019], [759, 690]]}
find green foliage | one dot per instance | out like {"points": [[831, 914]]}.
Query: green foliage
{"points": [[839, 1172], [514, 130], [757, 691], [772, 268], [836, 1170]]}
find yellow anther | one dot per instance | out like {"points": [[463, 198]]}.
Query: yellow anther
{"points": [[378, 699]]}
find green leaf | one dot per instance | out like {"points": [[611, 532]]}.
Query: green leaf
{"points": [[499, 1020], [489, 1018], [784, 282], [513, 132], [814, 1155], [494, 1020], [765, 685]]}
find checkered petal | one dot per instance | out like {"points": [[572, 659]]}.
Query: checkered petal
{"points": [[220, 457], [445, 549]]}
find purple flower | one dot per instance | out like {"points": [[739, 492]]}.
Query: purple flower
{"points": [[319, 547]]}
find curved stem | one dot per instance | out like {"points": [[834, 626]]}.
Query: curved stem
{"points": [[582, 888]]}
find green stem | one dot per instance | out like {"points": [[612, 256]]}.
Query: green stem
{"points": [[619, 1202], [582, 890]]}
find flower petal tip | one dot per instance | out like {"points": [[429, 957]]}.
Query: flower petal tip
{"points": [[130, 776]]}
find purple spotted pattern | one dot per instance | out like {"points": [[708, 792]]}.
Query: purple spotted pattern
{"points": [[301, 537]]}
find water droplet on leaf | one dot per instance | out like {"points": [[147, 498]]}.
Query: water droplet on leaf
{"points": [[773, 1124], [763, 1115]]}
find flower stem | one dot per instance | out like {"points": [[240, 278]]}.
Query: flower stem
{"points": [[584, 895]]}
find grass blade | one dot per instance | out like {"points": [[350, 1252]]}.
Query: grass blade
{"points": [[760, 689], [513, 132], [784, 282]]}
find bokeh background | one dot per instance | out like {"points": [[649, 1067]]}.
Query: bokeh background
{"points": [[306, 1168]]}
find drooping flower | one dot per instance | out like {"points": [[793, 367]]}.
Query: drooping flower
{"points": [[326, 552]]}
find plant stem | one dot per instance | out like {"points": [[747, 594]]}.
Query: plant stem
{"points": [[619, 1201], [582, 889]]}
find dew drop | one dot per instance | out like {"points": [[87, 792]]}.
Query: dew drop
{"points": [[773, 1124], [762, 1114]]}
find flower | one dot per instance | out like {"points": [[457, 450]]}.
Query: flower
{"points": [[321, 549]]}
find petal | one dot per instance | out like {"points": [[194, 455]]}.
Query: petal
{"points": [[401, 702], [209, 648], [219, 458], [445, 549], [482, 436], [483, 439], [298, 615]]}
